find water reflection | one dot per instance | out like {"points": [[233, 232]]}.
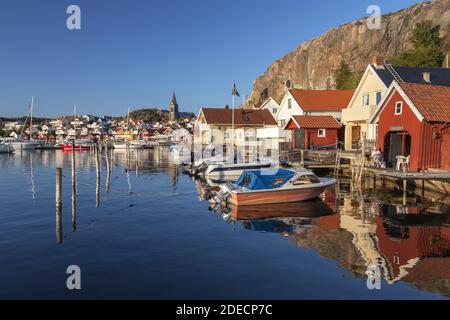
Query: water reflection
{"points": [[409, 243]]}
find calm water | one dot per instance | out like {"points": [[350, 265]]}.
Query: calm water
{"points": [[147, 233]]}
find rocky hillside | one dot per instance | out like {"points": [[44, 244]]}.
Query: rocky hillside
{"points": [[311, 65]]}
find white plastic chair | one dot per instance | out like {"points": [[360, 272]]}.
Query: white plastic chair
{"points": [[402, 163]]}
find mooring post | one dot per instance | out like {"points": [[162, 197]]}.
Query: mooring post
{"points": [[302, 158], [74, 194], [58, 205], [97, 184]]}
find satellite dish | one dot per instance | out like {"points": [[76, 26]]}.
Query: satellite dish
{"points": [[288, 84]]}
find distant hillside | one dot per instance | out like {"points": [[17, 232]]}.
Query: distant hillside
{"points": [[21, 120], [156, 115]]}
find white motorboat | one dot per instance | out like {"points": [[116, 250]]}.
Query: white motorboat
{"points": [[5, 148], [20, 144], [128, 145], [280, 186], [224, 172]]}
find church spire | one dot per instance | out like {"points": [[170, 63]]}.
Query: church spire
{"points": [[174, 99], [173, 109]]}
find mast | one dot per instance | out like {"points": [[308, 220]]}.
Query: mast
{"points": [[31, 117], [128, 121]]}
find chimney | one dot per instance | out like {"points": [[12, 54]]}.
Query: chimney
{"points": [[378, 61], [426, 77]]}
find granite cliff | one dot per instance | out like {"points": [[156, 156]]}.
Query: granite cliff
{"points": [[311, 65]]}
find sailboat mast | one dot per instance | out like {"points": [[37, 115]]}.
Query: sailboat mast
{"points": [[128, 122], [31, 117]]}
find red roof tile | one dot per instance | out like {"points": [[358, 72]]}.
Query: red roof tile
{"points": [[327, 100], [241, 116], [433, 102], [325, 122]]}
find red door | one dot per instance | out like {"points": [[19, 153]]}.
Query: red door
{"points": [[445, 151]]}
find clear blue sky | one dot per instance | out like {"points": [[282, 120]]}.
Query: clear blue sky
{"points": [[135, 53]]}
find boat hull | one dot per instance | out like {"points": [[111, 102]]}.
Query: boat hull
{"points": [[69, 147], [271, 196]]}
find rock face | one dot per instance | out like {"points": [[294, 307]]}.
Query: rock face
{"points": [[311, 65]]}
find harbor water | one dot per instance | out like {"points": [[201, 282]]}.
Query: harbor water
{"points": [[141, 228]]}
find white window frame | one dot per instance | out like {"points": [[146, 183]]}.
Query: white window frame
{"points": [[381, 96], [364, 104], [289, 103], [401, 107], [274, 110], [323, 135]]}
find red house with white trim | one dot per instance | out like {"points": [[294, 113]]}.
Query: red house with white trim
{"points": [[317, 131], [414, 120]]}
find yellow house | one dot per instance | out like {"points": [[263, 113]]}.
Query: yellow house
{"points": [[371, 89], [362, 106]]}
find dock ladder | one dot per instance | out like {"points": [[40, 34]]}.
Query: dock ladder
{"points": [[337, 166]]}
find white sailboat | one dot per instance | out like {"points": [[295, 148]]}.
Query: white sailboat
{"points": [[5, 148], [20, 144], [126, 144]]}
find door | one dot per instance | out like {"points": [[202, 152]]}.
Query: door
{"points": [[356, 137], [299, 138], [445, 151]]}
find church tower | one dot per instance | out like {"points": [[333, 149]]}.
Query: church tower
{"points": [[173, 109]]}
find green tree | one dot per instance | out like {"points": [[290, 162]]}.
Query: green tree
{"points": [[427, 50], [345, 78]]}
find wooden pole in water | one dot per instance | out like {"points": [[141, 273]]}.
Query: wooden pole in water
{"points": [[97, 169], [58, 205], [302, 158], [108, 170], [74, 194]]}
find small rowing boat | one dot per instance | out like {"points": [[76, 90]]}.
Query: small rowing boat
{"points": [[273, 186]]}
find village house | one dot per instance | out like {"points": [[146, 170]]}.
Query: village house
{"points": [[414, 121], [316, 131], [272, 105], [298, 102], [214, 126], [374, 83]]}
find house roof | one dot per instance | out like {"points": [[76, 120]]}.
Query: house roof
{"points": [[241, 116], [322, 100], [427, 101], [433, 102], [316, 122], [438, 76]]}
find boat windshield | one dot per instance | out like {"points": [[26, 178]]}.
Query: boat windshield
{"points": [[257, 180], [306, 179]]}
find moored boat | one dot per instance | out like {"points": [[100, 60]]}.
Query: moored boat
{"points": [[4, 148], [273, 186], [232, 171], [79, 146]]}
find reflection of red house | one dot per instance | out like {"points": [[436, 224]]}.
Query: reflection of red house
{"points": [[317, 131], [400, 244], [414, 120]]}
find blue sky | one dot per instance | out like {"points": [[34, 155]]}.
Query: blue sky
{"points": [[135, 53]]}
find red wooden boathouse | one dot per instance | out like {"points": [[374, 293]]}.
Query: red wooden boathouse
{"points": [[318, 131], [414, 120]]}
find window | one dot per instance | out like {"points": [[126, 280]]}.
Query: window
{"points": [[274, 110], [365, 100], [378, 96], [289, 103], [398, 107], [321, 133]]}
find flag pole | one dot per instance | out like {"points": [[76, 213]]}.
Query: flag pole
{"points": [[232, 119]]}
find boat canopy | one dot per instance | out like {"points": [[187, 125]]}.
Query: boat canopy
{"points": [[264, 179]]}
